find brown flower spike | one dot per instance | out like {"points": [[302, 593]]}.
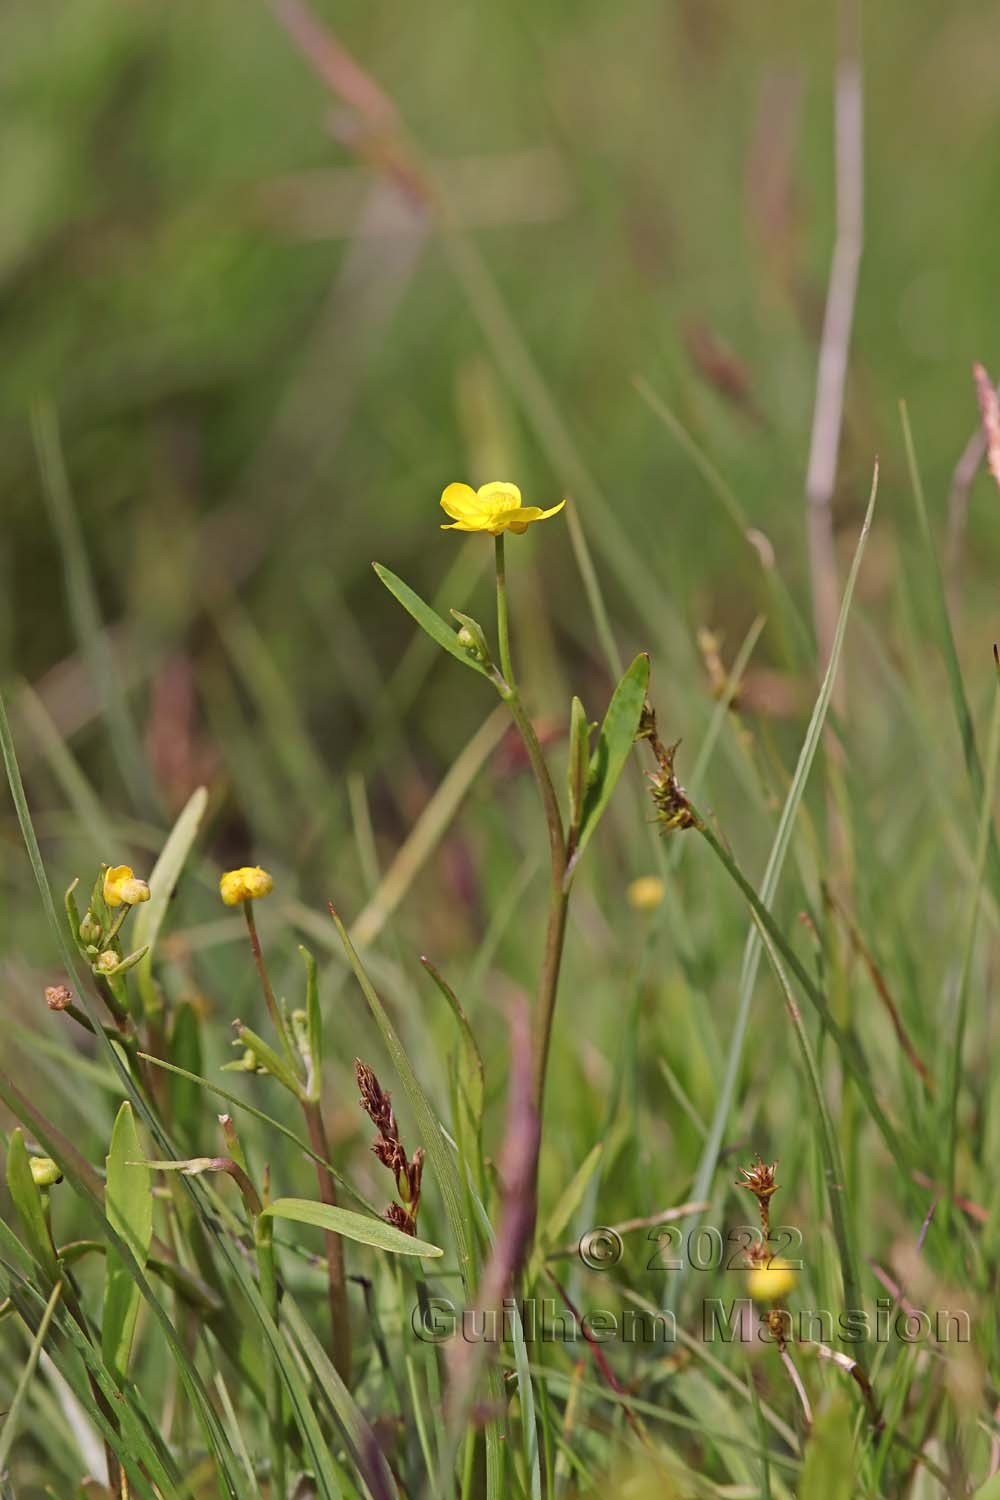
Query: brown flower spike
{"points": [[759, 1180], [390, 1151], [673, 810]]}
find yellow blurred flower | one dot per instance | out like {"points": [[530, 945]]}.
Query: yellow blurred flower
{"points": [[123, 888], [771, 1282], [646, 893], [493, 507], [249, 883]]}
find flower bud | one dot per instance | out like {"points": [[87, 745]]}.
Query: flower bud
{"points": [[44, 1171], [106, 962], [771, 1282], [471, 638], [249, 883], [90, 929], [123, 888], [58, 996]]}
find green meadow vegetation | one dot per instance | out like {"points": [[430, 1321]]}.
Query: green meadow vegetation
{"points": [[515, 1020]]}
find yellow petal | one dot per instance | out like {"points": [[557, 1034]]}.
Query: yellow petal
{"points": [[458, 500], [122, 888], [553, 511], [499, 496], [468, 523]]}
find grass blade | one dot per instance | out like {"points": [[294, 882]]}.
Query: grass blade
{"points": [[129, 1205]]}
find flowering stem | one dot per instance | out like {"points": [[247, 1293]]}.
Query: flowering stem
{"points": [[265, 984], [558, 898]]}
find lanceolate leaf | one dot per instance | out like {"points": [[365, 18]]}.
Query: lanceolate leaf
{"points": [[352, 1226], [428, 619], [162, 881], [129, 1206], [579, 761], [612, 750], [27, 1199]]}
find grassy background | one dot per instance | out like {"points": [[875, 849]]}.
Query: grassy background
{"points": [[266, 366]]}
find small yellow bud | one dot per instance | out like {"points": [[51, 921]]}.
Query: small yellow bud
{"points": [[646, 893], [106, 961], [45, 1171], [771, 1282], [122, 888], [249, 883]]}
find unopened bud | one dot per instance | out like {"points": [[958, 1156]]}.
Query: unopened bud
{"points": [[58, 996], [471, 638], [45, 1171], [106, 962], [90, 929]]}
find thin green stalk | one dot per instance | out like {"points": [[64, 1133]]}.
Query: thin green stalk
{"points": [[265, 983], [555, 935], [264, 1245]]}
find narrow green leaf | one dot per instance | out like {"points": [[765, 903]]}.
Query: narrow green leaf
{"points": [[471, 1073], [352, 1226], [129, 1206], [571, 1197], [162, 881], [614, 742], [428, 619], [579, 761], [27, 1199]]}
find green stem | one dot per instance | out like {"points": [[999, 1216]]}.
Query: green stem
{"points": [[503, 626], [548, 984], [264, 1243], [273, 1009]]}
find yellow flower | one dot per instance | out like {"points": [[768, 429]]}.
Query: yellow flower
{"points": [[122, 888], [771, 1282], [247, 884], [646, 893], [494, 508]]}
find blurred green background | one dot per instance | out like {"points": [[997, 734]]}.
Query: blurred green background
{"points": [[265, 372]]}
